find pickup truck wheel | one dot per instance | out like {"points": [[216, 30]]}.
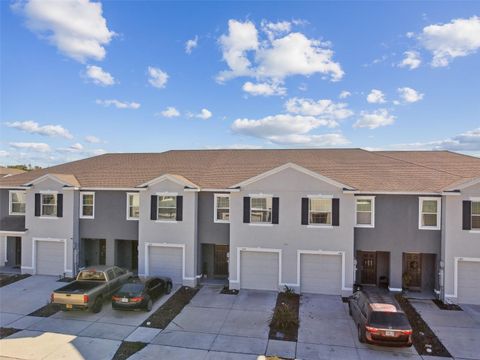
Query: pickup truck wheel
{"points": [[169, 289], [97, 305], [149, 305]]}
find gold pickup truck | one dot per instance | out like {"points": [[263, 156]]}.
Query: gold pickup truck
{"points": [[91, 288]]}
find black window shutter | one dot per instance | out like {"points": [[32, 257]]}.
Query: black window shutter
{"points": [[179, 208], [275, 209], [153, 207], [37, 205], [59, 205], [335, 212], [246, 209], [467, 215], [304, 211]]}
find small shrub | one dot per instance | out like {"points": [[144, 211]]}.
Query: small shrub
{"points": [[288, 291], [284, 318]]}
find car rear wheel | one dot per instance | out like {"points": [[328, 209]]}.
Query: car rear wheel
{"points": [[149, 305], [97, 305], [169, 288], [361, 335]]}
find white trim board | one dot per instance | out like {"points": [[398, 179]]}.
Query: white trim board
{"points": [[171, 245], [34, 253]]}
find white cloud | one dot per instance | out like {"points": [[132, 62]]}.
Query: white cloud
{"points": [[322, 109], [411, 60], [467, 141], [33, 127], [409, 95], [74, 148], [275, 29], [76, 27], [375, 119], [32, 146], [276, 57], [236, 147], [264, 89], [92, 139], [460, 37], [4, 153], [344, 94], [333, 139], [410, 34], [99, 76], [118, 104], [204, 114], [170, 112], [191, 44], [376, 97], [157, 77]]}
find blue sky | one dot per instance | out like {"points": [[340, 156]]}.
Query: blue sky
{"points": [[81, 78]]}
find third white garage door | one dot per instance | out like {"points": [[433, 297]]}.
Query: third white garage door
{"points": [[469, 282], [50, 257], [166, 261], [259, 270], [321, 274]]}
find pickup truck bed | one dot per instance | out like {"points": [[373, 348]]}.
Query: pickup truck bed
{"points": [[78, 287]]}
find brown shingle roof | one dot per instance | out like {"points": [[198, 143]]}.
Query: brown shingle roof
{"points": [[9, 171], [219, 169]]}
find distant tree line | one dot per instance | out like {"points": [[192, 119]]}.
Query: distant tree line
{"points": [[24, 167]]}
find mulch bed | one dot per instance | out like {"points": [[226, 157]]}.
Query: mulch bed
{"points": [[127, 349], [228, 291], [47, 310], [441, 305], [422, 334], [4, 332], [287, 306], [7, 279], [172, 307]]}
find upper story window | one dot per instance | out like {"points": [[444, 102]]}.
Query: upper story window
{"points": [[261, 210], [475, 215], [167, 208], [48, 204], [87, 205], [133, 206], [222, 208], [429, 213], [17, 203], [365, 211], [320, 211]]}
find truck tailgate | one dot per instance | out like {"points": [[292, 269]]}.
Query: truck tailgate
{"points": [[74, 299]]}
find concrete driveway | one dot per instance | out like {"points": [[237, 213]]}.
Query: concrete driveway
{"points": [[459, 331]]}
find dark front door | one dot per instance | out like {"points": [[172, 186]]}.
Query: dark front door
{"points": [[18, 251], [369, 268], [412, 271], [221, 260], [134, 255]]}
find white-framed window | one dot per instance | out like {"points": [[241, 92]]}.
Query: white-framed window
{"points": [[167, 208], [221, 208], [429, 213], [48, 204], [17, 201], [365, 211], [320, 211], [476, 215], [87, 205], [261, 210], [133, 206]]}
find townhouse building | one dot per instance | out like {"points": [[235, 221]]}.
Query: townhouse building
{"points": [[316, 220]]}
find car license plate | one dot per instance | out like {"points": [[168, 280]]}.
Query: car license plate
{"points": [[124, 300], [389, 333], [69, 306]]}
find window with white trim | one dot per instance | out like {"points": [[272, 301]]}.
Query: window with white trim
{"points": [[87, 205], [222, 208], [261, 210], [320, 211], [429, 213], [17, 203], [133, 206], [48, 204], [365, 211], [167, 208], [475, 215]]}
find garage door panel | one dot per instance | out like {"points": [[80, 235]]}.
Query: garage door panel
{"points": [[166, 261], [321, 274], [259, 270], [469, 282], [50, 258]]}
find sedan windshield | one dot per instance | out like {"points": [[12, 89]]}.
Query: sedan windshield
{"points": [[129, 290], [91, 275], [382, 319]]}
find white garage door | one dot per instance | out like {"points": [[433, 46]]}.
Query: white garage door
{"points": [[50, 258], [321, 274], [259, 270], [166, 261], [469, 282]]}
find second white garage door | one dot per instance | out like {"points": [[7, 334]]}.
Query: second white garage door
{"points": [[50, 258], [468, 282], [259, 270], [321, 274], [166, 261]]}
